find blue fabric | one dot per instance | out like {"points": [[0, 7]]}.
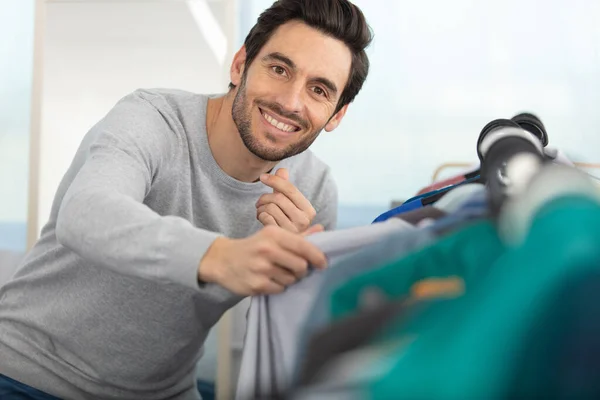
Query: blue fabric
{"points": [[417, 201], [413, 205], [13, 390]]}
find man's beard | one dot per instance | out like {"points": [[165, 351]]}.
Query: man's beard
{"points": [[242, 118]]}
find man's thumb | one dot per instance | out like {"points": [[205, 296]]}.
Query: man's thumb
{"points": [[283, 173], [313, 229]]}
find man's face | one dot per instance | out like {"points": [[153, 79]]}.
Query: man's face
{"points": [[290, 91]]}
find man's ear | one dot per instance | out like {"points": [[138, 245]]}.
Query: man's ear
{"points": [[336, 119], [237, 66]]}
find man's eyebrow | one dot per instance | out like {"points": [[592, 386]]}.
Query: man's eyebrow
{"points": [[280, 57], [328, 84]]}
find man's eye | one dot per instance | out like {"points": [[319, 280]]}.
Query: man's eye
{"points": [[319, 91], [278, 70]]}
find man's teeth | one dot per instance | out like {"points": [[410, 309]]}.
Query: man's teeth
{"points": [[279, 125]]}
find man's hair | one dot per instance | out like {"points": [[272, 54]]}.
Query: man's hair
{"points": [[339, 19]]}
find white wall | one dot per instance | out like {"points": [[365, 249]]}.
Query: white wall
{"points": [[96, 53]]}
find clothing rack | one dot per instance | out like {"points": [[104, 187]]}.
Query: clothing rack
{"points": [[458, 164]]}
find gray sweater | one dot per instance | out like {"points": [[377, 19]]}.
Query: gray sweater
{"points": [[107, 304]]}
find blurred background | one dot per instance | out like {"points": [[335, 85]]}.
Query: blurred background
{"points": [[440, 71]]}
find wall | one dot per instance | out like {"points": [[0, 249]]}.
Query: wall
{"points": [[89, 67]]}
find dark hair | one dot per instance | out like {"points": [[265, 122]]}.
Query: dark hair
{"points": [[340, 19]]}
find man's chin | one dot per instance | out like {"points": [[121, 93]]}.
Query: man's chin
{"points": [[267, 155]]}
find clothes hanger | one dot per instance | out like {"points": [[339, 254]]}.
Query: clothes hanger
{"points": [[524, 122], [509, 156]]}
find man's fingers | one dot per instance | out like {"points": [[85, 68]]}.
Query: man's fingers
{"points": [[270, 287], [290, 191], [283, 277], [313, 229], [285, 204], [283, 173], [290, 262], [279, 184], [279, 216], [266, 219], [298, 245]]}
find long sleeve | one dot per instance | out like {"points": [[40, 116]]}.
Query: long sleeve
{"points": [[102, 217]]}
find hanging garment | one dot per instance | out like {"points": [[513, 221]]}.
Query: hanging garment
{"points": [[471, 352], [357, 330], [273, 322], [389, 250], [462, 350], [278, 326], [547, 328], [371, 257], [465, 254]]}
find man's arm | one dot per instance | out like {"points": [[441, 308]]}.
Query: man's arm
{"points": [[102, 217]]}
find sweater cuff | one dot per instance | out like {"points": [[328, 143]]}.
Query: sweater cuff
{"points": [[185, 253]]}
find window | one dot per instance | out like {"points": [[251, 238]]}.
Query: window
{"points": [[16, 74]]}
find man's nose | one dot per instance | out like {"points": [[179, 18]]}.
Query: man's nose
{"points": [[292, 98]]}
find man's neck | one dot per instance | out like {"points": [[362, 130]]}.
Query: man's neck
{"points": [[227, 146]]}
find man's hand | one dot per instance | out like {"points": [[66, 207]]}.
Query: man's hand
{"points": [[286, 207], [264, 263]]}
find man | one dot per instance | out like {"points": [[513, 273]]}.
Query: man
{"points": [[176, 206]]}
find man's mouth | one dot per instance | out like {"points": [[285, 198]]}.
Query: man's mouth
{"points": [[283, 126]]}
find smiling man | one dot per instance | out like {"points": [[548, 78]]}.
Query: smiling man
{"points": [[175, 207]]}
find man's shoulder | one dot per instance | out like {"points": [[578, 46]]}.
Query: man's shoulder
{"points": [[307, 163], [169, 98], [310, 174]]}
